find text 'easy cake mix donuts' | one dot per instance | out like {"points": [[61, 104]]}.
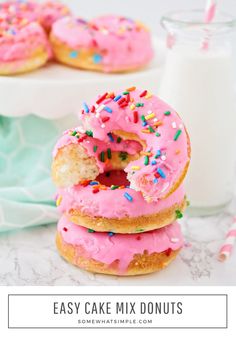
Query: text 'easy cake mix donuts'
{"points": [[124, 173], [118, 254], [109, 43]]}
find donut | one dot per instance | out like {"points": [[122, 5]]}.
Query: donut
{"points": [[23, 46], [24, 9], [109, 43], [118, 254], [50, 12], [157, 161], [45, 13], [100, 213], [110, 211]]}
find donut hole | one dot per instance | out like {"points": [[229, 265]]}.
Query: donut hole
{"points": [[122, 149], [114, 177]]}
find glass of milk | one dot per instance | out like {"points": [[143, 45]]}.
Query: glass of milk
{"points": [[198, 81]]}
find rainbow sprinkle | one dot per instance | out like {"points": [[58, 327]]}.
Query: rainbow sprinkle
{"points": [[135, 168], [114, 187], [146, 160], [178, 214], [109, 153], [106, 108], [143, 93], [89, 133], [162, 174], [97, 58], [131, 89], [73, 54], [100, 99], [58, 201], [111, 137], [128, 196], [151, 129], [102, 156], [123, 155], [149, 95], [178, 133], [86, 108], [150, 116], [117, 98], [158, 154], [93, 183]]}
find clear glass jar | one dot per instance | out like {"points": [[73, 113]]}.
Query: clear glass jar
{"points": [[198, 82]]}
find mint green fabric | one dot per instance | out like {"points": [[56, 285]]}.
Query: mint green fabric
{"points": [[26, 190]]}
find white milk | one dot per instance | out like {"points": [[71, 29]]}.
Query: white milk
{"points": [[199, 85]]}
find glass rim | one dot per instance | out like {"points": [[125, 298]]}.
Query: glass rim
{"points": [[169, 17]]}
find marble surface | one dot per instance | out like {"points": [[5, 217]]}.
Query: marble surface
{"points": [[29, 257]]}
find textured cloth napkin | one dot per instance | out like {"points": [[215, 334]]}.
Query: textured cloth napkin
{"points": [[26, 190]]}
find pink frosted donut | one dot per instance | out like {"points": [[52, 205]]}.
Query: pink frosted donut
{"points": [[50, 12], [110, 211], [23, 46], [142, 117], [109, 253], [18, 9], [45, 13], [91, 203], [109, 43]]}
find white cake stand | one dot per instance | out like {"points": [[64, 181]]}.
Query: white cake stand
{"points": [[55, 90]]}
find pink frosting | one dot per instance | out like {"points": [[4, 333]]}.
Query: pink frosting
{"points": [[155, 173], [51, 11], [20, 32], [17, 9], [20, 42], [131, 147], [112, 204], [121, 42], [106, 249]]}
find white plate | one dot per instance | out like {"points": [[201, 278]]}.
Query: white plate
{"points": [[55, 91]]}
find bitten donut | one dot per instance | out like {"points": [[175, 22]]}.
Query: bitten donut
{"points": [[23, 46], [160, 162], [119, 254], [108, 43]]}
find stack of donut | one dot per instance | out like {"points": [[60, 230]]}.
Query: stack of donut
{"points": [[31, 33], [119, 179]]}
